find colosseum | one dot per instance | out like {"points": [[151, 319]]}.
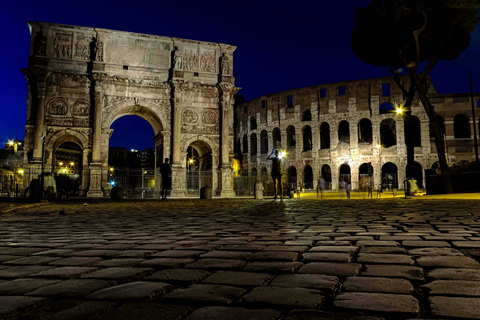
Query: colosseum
{"points": [[348, 131]]}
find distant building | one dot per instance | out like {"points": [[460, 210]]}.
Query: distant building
{"points": [[334, 130]]}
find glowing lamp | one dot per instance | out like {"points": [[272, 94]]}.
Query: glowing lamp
{"points": [[282, 155], [20, 171], [399, 110], [64, 170]]}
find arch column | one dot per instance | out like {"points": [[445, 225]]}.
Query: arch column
{"points": [[96, 166], [226, 139], [178, 164]]}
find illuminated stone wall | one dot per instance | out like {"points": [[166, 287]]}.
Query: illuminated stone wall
{"points": [[349, 101]]}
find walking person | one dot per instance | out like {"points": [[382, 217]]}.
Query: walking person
{"points": [[166, 172], [276, 173], [321, 186], [348, 188]]}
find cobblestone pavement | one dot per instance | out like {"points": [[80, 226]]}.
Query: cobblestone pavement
{"points": [[242, 259]]}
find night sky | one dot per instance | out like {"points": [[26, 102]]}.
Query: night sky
{"points": [[280, 47]]}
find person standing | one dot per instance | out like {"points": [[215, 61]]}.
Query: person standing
{"points": [[276, 173], [166, 172], [348, 188], [321, 186]]}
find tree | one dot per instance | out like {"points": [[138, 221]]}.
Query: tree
{"points": [[412, 36]]}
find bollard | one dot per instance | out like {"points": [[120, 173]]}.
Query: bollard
{"points": [[258, 190], [205, 192]]}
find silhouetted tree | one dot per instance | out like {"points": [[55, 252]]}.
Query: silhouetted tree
{"points": [[413, 36]]}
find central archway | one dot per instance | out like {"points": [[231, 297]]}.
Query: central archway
{"points": [[199, 167]]}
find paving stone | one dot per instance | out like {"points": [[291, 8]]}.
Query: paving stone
{"points": [[454, 287], [139, 290], [307, 243], [317, 315], [389, 250], [81, 311], [395, 271], [23, 286], [384, 258], [234, 278], [455, 307], [333, 248], [274, 255], [435, 252], [154, 246], [30, 261], [64, 272], [130, 253], [327, 256], [222, 313], [287, 248], [466, 244], [216, 264], [247, 247], [378, 243], [331, 243], [21, 271], [11, 306], [444, 237], [380, 285], [400, 238], [314, 281], [455, 274], [75, 261], [4, 258], [127, 262], [206, 293], [286, 297], [178, 254], [93, 253], [221, 254], [179, 275], [448, 262], [147, 311], [379, 302], [166, 262], [19, 251], [331, 268], [120, 274], [54, 252], [71, 288], [273, 267], [439, 244]]}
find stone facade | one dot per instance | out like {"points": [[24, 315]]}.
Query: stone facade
{"points": [[80, 80], [336, 128]]}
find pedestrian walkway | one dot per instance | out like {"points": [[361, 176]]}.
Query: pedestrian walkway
{"points": [[369, 259]]}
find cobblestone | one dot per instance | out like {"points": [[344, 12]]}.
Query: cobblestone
{"points": [[345, 260]]}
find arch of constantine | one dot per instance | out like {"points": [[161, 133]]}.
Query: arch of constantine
{"points": [[80, 80]]}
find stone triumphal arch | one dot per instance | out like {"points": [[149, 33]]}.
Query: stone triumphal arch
{"points": [[80, 80]]}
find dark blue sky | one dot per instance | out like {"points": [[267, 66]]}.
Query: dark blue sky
{"points": [[280, 46]]}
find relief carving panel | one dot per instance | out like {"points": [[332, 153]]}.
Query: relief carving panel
{"points": [[207, 61], [189, 116], [210, 117], [81, 108], [57, 107], [82, 47], [62, 46]]}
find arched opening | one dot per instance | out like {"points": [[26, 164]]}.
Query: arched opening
{"points": [[264, 175], [344, 132], [417, 173], [254, 172], [307, 138], [325, 136], [389, 176], [345, 173], [253, 144], [264, 141], [326, 172], [132, 155], [365, 175], [68, 168], [308, 177], [365, 131], [387, 107], [412, 127], [199, 167], [307, 115], [277, 138], [461, 126], [388, 133], [292, 178], [290, 136], [253, 123], [436, 165], [245, 143]]}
